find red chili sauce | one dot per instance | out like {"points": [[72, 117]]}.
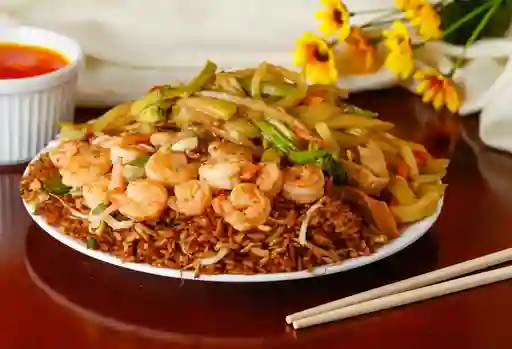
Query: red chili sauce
{"points": [[18, 61]]}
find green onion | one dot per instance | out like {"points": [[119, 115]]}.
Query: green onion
{"points": [[55, 186], [91, 243], [352, 109], [140, 161], [324, 159], [99, 209], [272, 135]]}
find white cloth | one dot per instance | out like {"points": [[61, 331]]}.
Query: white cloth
{"points": [[487, 80], [132, 45]]}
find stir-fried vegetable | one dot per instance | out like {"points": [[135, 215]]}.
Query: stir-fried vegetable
{"points": [[243, 127], [423, 207], [270, 155], [346, 121], [216, 108], [274, 107], [117, 117], [269, 112], [323, 130], [70, 131], [205, 77]]}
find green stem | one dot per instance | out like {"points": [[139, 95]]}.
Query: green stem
{"points": [[370, 11], [388, 21], [475, 34], [379, 19], [466, 18]]}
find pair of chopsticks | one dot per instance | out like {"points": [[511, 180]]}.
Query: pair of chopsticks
{"points": [[408, 291]]}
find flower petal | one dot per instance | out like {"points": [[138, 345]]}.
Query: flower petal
{"points": [[428, 95], [421, 87], [438, 100]]}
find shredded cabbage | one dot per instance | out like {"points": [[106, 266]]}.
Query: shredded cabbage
{"points": [[309, 214], [223, 252]]}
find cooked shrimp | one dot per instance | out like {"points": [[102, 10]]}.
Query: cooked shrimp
{"points": [[229, 151], [127, 153], [304, 183], [160, 139], [87, 165], [61, 154], [270, 179], [245, 208], [220, 174], [96, 193], [191, 198], [143, 200], [170, 168]]}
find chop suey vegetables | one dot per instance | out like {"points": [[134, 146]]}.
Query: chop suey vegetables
{"points": [[273, 112]]}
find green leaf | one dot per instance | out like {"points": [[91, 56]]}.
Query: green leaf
{"points": [[497, 26]]}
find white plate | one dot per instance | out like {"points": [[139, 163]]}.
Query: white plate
{"points": [[408, 236]]}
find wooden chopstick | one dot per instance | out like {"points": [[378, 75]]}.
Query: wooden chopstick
{"points": [[408, 284], [416, 295]]}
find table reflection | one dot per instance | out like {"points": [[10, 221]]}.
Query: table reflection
{"points": [[127, 303], [14, 219]]}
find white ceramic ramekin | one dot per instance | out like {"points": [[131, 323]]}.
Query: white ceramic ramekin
{"points": [[31, 107]]}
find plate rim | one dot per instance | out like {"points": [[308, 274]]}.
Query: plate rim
{"points": [[407, 237]]}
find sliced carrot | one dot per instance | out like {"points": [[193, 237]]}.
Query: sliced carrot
{"points": [[323, 143], [117, 183], [421, 157], [312, 100], [134, 139], [402, 169]]}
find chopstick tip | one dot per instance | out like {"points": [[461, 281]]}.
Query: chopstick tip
{"points": [[288, 319]]}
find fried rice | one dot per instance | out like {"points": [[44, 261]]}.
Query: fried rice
{"points": [[337, 231]]}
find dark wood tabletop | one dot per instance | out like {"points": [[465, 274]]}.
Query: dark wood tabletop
{"points": [[53, 297]]}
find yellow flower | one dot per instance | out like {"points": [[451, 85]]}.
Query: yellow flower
{"points": [[400, 59], [427, 20], [316, 58], [361, 44], [334, 19], [405, 5], [438, 89], [400, 64], [397, 36]]}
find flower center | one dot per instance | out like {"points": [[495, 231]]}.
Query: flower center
{"points": [[319, 55], [337, 17], [316, 54], [434, 82]]}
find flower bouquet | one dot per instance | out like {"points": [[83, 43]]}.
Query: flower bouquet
{"points": [[400, 39]]}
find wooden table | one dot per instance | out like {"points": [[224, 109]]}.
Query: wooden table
{"points": [[53, 297]]}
